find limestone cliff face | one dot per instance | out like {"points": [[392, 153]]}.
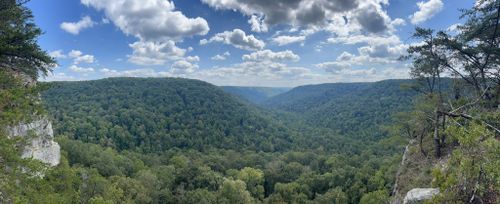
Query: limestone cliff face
{"points": [[40, 137], [39, 134]]}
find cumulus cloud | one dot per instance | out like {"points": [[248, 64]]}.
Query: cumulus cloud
{"points": [[78, 57], [268, 55], [156, 23], [58, 54], [334, 67], [81, 69], [247, 73], [154, 53], [257, 24], [238, 39], [373, 19], [150, 20], [183, 67], [133, 73], [344, 68], [61, 76], [383, 51], [221, 57], [426, 11], [306, 13], [192, 58], [274, 12], [75, 27], [286, 39]]}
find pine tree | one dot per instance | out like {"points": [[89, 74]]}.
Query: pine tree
{"points": [[19, 51]]}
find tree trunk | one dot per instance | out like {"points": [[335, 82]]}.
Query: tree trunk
{"points": [[443, 135], [422, 134], [437, 141]]}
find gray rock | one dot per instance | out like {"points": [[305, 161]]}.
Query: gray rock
{"points": [[418, 195], [41, 145]]}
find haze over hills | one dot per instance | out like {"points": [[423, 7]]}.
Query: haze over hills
{"points": [[255, 94]]}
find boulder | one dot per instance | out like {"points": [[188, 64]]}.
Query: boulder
{"points": [[418, 195]]}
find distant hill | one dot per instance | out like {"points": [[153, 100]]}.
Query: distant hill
{"points": [[353, 109], [255, 95], [156, 114]]}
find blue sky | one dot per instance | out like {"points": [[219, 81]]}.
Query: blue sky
{"points": [[237, 42]]}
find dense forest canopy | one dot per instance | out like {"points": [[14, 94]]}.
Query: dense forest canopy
{"points": [[165, 121], [159, 114], [174, 140]]}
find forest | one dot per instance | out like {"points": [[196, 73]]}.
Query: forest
{"points": [[177, 140]]}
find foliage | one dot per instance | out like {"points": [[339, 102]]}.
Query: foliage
{"points": [[158, 114], [19, 50], [355, 110], [473, 173]]}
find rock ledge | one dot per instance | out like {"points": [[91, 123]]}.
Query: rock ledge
{"points": [[418, 195]]}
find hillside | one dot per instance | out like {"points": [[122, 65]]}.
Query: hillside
{"points": [[198, 129], [353, 109], [254, 95], [159, 114]]}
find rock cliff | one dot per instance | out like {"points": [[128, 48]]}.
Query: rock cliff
{"points": [[40, 138], [38, 133]]}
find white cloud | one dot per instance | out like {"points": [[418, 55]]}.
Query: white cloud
{"points": [[183, 67], [345, 56], [192, 58], [59, 77], [150, 20], [383, 51], [220, 57], [257, 24], [75, 53], [79, 57], [294, 12], [81, 69], [152, 53], [268, 55], [76, 27], [84, 58], [238, 39], [156, 23], [367, 15], [286, 39], [58, 54], [334, 67], [344, 68], [266, 73], [133, 73], [426, 11], [368, 39]]}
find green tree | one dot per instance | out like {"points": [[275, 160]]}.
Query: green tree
{"points": [[472, 175], [332, 196], [375, 197], [234, 192], [254, 179], [19, 50]]}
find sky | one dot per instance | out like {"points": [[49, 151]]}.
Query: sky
{"points": [[276, 43]]}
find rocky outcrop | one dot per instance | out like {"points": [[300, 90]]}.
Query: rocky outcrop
{"points": [[40, 141], [418, 195]]}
